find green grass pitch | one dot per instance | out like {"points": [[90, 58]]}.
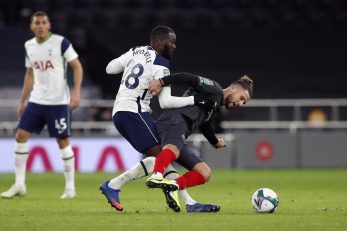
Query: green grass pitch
{"points": [[309, 200]]}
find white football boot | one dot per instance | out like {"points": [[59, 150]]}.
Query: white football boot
{"points": [[15, 190], [68, 194]]}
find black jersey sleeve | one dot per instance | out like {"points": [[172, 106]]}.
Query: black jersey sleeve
{"points": [[207, 130], [201, 84]]}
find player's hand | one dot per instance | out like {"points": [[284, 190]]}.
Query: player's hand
{"points": [[154, 87], [204, 102], [220, 144], [75, 102]]}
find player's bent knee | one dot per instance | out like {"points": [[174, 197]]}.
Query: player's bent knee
{"points": [[173, 148], [207, 174], [22, 136], [204, 170], [63, 142], [153, 151]]}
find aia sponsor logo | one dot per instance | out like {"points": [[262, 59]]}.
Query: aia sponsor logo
{"points": [[108, 152], [43, 65]]}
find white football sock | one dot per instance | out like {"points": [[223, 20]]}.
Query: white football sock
{"points": [[141, 169], [21, 157], [171, 174], [69, 167]]}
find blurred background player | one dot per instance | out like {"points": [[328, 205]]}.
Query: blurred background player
{"points": [[175, 125], [49, 102], [131, 111]]}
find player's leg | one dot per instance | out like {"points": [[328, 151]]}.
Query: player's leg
{"points": [[31, 121], [21, 157], [139, 130], [68, 158], [198, 175], [190, 159], [173, 132], [111, 188], [141, 169], [169, 153], [59, 127]]}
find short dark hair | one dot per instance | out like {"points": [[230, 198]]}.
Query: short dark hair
{"points": [[38, 13], [159, 31], [247, 83]]}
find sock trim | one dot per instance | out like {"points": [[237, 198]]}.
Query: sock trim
{"points": [[71, 157], [21, 153], [144, 168], [169, 172]]}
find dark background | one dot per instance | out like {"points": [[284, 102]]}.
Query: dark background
{"points": [[292, 49]]}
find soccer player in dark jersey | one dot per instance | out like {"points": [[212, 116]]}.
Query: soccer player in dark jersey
{"points": [[131, 112], [175, 125]]}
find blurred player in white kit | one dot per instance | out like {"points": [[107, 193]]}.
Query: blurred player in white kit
{"points": [[49, 102]]}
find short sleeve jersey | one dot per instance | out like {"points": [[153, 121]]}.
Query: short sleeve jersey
{"points": [[141, 64], [49, 63]]}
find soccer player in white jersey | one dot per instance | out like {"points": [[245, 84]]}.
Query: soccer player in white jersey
{"points": [[131, 111], [49, 101]]}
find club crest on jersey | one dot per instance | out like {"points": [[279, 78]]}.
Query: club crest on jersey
{"points": [[206, 81], [43, 65], [166, 72]]}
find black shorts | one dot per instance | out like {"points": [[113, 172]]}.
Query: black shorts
{"points": [[189, 157], [175, 130]]}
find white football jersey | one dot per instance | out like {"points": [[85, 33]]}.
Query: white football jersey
{"points": [[139, 66], [49, 63]]}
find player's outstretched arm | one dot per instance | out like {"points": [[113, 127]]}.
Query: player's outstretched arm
{"points": [[78, 77], [114, 67], [117, 65], [166, 100], [27, 87]]}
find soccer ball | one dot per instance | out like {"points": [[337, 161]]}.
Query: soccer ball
{"points": [[264, 200]]}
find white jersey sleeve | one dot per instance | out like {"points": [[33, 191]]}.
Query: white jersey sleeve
{"points": [[162, 73], [166, 100], [117, 65], [70, 53]]}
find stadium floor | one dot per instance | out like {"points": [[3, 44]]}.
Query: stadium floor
{"points": [[312, 199]]}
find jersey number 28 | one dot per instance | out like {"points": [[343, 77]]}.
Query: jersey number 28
{"points": [[132, 80]]}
